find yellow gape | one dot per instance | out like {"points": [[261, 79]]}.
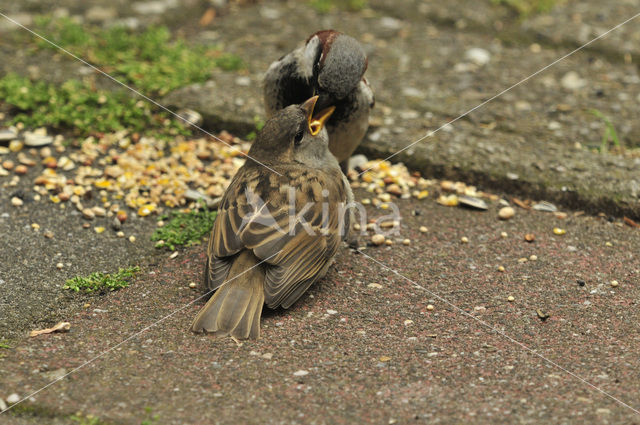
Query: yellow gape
{"points": [[316, 123]]}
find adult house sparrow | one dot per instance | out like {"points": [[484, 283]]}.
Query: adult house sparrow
{"points": [[275, 235], [331, 65]]}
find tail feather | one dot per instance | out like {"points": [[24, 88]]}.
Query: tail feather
{"points": [[236, 307]]}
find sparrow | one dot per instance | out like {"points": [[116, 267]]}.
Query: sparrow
{"points": [[332, 66], [279, 224]]}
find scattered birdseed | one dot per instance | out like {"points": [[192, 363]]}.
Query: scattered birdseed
{"points": [[98, 229], [501, 268], [132, 238], [608, 244], [192, 285], [559, 231], [59, 266], [430, 307], [510, 298], [448, 200], [464, 239], [35, 226], [529, 237], [504, 235], [16, 202], [120, 234], [423, 229], [377, 239], [388, 242], [406, 242], [614, 283], [533, 257]]}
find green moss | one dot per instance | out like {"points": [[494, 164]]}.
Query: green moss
{"points": [[150, 61], [325, 6], [525, 8], [184, 229], [102, 282]]}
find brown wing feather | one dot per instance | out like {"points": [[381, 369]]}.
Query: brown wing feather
{"points": [[296, 258]]}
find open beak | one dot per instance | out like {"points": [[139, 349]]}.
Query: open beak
{"points": [[316, 122]]}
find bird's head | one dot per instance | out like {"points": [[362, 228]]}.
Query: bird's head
{"points": [[340, 63], [294, 133]]}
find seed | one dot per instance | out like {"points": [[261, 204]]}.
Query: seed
{"points": [[423, 229], [132, 238], [501, 268], [21, 169], [377, 239], [88, 214], [510, 298], [559, 231], [16, 202], [406, 242], [614, 283], [120, 234], [356, 226], [192, 285], [430, 307], [35, 226], [506, 213], [388, 242], [503, 235], [522, 260], [59, 266], [608, 244], [529, 237], [533, 258], [464, 239], [99, 229]]}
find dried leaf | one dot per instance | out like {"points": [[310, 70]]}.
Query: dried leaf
{"points": [[60, 327], [630, 222]]}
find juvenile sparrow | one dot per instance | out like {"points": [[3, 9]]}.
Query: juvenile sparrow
{"points": [[331, 65], [275, 235]]}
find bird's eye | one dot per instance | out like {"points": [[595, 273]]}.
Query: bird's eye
{"points": [[298, 137]]}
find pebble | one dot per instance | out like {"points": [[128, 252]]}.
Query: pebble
{"points": [[614, 283], [377, 239], [572, 81], [423, 229], [16, 202], [13, 398], [478, 56], [506, 213], [301, 373]]}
